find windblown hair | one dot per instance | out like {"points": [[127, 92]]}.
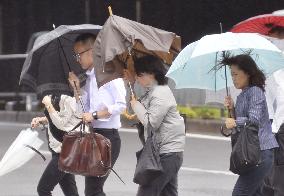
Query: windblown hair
{"points": [[245, 63], [151, 65], [86, 38]]}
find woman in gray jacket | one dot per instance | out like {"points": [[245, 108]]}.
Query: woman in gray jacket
{"points": [[159, 109]]}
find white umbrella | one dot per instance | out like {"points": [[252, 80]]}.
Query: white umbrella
{"points": [[21, 151]]}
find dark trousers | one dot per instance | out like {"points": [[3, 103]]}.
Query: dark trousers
{"points": [[94, 185], [53, 176], [274, 183], [166, 184], [251, 183]]}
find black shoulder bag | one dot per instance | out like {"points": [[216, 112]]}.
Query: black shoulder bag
{"points": [[246, 152], [148, 166]]}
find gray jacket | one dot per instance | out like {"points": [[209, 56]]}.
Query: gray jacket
{"points": [[159, 108]]}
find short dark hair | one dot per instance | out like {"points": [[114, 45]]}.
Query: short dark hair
{"points": [[86, 38], [151, 65], [246, 63]]}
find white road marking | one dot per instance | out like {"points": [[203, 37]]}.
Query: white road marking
{"points": [[129, 130], [189, 169], [190, 135], [227, 173]]}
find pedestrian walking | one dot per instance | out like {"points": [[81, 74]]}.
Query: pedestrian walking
{"points": [[250, 107], [158, 108], [61, 116], [103, 106]]}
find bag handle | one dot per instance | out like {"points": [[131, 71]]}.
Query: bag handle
{"points": [[81, 124]]}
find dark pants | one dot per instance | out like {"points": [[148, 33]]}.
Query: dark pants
{"points": [[53, 176], [251, 183], [94, 185], [274, 183], [166, 184]]}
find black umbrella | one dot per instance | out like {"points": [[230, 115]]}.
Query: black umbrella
{"points": [[46, 68]]}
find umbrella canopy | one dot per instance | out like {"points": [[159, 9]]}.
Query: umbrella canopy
{"points": [[195, 66], [18, 154], [217, 97], [46, 68], [121, 39], [259, 24], [279, 43]]}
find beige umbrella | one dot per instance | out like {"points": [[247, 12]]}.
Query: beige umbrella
{"points": [[121, 40]]}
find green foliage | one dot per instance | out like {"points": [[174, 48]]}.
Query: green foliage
{"points": [[201, 112], [187, 111]]}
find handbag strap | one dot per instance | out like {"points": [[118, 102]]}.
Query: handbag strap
{"points": [[81, 124], [117, 176]]}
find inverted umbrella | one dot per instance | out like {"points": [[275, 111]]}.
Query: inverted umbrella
{"points": [[22, 149], [121, 40], [195, 66], [46, 68]]}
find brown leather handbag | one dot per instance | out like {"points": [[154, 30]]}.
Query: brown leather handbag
{"points": [[83, 153]]}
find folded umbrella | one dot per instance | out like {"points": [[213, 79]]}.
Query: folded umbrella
{"points": [[22, 149]]}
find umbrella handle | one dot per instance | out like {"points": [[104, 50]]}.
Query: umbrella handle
{"points": [[131, 89], [80, 97], [38, 152], [222, 130]]}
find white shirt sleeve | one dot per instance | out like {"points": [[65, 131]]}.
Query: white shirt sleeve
{"points": [[118, 92], [270, 93]]}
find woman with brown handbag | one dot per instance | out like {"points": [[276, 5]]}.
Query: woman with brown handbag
{"points": [[61, 116]]}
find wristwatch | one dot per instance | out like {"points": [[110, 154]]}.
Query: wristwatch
{"points": [[95, 115]]}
